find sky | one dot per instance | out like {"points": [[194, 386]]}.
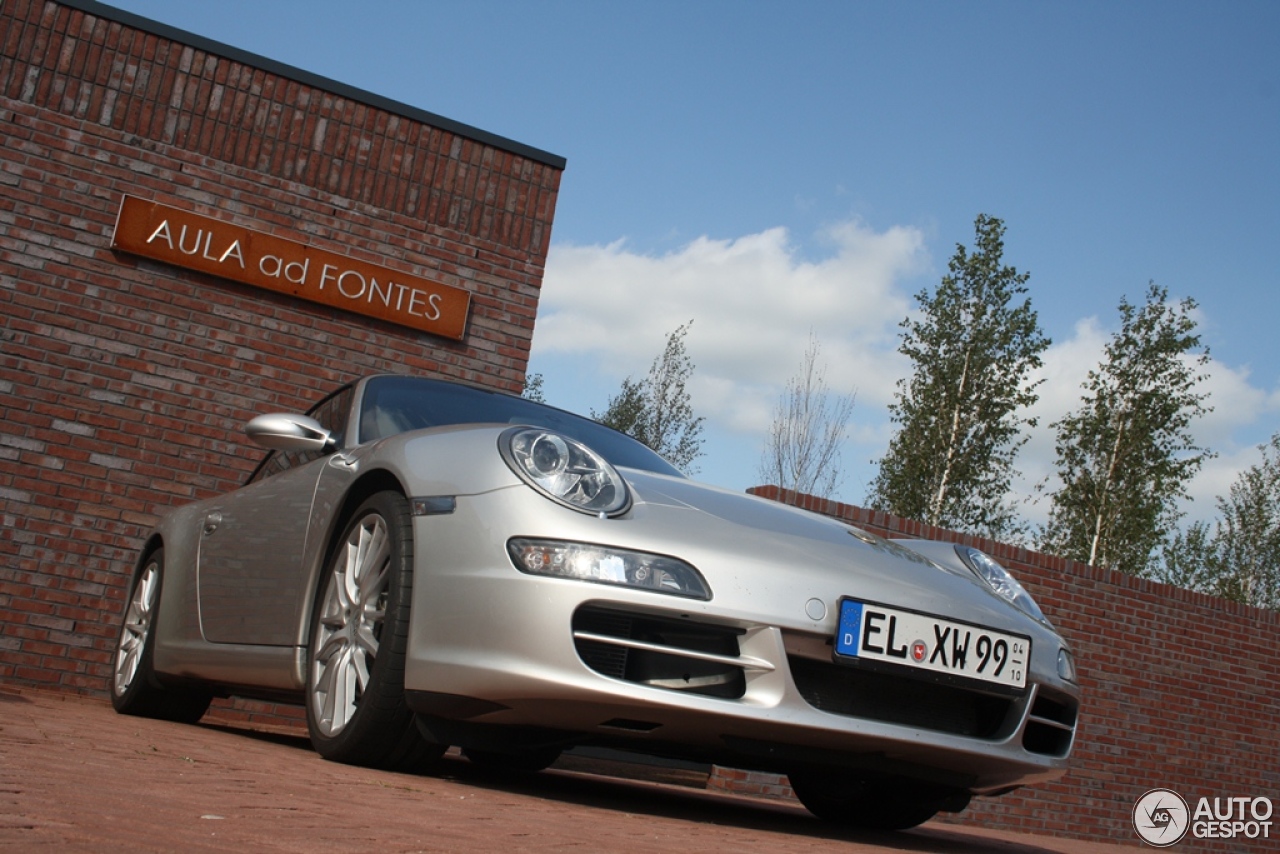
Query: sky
{"points": [[777, 173]]}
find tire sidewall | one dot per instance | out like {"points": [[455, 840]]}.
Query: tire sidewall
{"points": [[137, 694], [382, 705]]}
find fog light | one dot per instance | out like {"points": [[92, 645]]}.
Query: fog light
{"points": [[603, 565]]}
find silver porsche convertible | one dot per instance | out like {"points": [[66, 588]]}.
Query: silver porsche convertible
{"points": [[424, 564]]}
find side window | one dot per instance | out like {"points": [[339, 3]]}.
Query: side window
{"points": [[332, 415]]}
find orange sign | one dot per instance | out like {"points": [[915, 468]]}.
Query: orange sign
{"points": [[196, 242]]}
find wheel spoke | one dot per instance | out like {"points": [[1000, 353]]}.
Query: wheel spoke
{"points": [[375, 556], [137, 622], [329, 650], [324, 698], [366, 640]]}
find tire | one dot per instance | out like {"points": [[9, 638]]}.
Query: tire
{"points": [[135, 690], [513, 761], [871, 804], [356, 709]]}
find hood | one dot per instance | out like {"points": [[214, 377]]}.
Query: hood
{"points": [[752, 549]]}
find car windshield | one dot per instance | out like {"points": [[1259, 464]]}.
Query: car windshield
{"points": [[394, 405]]}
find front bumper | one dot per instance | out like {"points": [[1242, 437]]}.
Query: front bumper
{"points": [[720, 681]]}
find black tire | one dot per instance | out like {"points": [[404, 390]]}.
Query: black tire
{"points": [[356, 709], [527, 761], [134, 687], [869, 804]]}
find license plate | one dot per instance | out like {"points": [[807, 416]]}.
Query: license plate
{"points": [[929, 645]]}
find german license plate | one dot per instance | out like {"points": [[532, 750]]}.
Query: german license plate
{"points": [[870, 632]]}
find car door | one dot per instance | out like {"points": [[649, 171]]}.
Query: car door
{"points": [[251, 547], [252, 570]]}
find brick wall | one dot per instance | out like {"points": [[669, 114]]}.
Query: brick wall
{"points": [[1181, 691], [124, 382]]}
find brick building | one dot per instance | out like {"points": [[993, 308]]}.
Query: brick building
{"points": [[130, 358], [125, 379]]}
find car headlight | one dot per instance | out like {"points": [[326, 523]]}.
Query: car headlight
{"points": [[603, 565], [998, 579], [565, 470]]}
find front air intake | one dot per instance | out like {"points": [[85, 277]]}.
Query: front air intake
{"points": [[1051, 725], [671, 654], [855, 693]]}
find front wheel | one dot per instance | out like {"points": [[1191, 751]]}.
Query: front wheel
{"points": [[356, 709], [135, 689]]}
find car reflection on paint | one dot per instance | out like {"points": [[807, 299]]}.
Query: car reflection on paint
{"points": [[422, 564]]}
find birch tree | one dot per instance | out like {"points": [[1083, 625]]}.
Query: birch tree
{"points": [[810, 424], [533, 388], [1239, 557], [1247, 541], [657, 410], [1125, 456], [959, 415]]}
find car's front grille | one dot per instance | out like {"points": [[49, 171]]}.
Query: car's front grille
{"points": [[1051, 725], [859, 693], [674, 654]]}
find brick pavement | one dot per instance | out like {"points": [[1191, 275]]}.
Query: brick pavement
{"points": [[76, 777]]}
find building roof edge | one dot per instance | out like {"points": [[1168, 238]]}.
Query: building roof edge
{"points": [[120, 16]]}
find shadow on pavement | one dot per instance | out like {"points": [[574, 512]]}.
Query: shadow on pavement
{"points": [[641, 789]]}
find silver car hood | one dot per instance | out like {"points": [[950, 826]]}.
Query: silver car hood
{"points": [[754, 550]]}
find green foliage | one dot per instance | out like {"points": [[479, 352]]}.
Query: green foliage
{"points": [[1241, 559], [973, 348], [657, 410], [1248, 536], [1189, 560], [533, 388], [627, 409], [809, 426], [1125, 456]]}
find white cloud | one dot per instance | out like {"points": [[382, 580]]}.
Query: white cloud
{"points": [[1065, 369], [605, 312], [1243, 417], [754, 301]]}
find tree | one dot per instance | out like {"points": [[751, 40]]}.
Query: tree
{"points": [[533, 388], [657, 410], [1188, 560], [1125, 456], [1241, 559], [973, 348], [809, 426], [1248, 536]]}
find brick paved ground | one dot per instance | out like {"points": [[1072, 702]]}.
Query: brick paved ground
{"points": [[74, 776]]}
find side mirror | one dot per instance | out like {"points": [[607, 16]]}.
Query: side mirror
{"points": [[281, 432]]}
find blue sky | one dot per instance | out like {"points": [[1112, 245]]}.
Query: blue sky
{"points": [[772, 171]]}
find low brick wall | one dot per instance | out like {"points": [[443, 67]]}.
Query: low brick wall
{"points": [[1181, 691]]}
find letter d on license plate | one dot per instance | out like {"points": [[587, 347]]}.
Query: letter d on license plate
{"points": [[932, 646]]}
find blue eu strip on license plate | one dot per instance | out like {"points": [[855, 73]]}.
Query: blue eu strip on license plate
{"points": [[931, 645]]}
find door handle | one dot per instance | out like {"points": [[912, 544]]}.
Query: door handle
{"points": [[344, 462]]}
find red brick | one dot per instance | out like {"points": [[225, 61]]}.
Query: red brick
{"points": [[131, 381]]}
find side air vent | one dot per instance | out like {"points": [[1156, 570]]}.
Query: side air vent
{"points": [[1051, 725], [676, 655]]}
